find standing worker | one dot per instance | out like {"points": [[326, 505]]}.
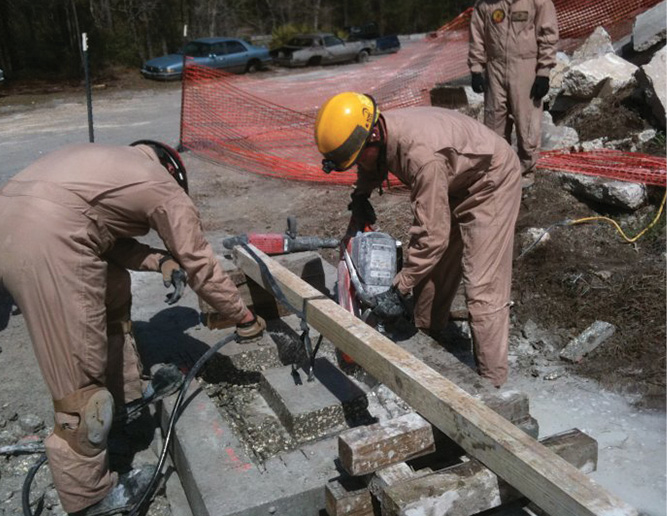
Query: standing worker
{"points": [[66, 228], [465, 190], [514, 41]]}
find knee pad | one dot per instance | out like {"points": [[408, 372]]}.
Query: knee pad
{"points": [[94, 408]]}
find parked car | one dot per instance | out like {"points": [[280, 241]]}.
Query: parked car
{"points": [[320, 48], [370, 33], [2, 75], [229, 54]]}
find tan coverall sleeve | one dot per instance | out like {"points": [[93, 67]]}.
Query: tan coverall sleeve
{"points": [[178, 223], [429, 234], [476, 49], [135, 256], [546, 32]]}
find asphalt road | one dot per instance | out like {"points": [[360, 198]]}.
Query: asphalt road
{"points": [[28, 132]]}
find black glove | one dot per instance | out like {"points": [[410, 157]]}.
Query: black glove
{"points": [[391, 305], [478, 83], [540, 87], [172, 275], [362, 210]]}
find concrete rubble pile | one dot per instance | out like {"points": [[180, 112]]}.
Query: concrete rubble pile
{"points": [[604, 95]]}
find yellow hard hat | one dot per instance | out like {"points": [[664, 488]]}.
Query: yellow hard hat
{"points": [[343, 125]]}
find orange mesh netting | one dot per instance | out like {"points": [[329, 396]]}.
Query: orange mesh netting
{"points": [[264, 123]]}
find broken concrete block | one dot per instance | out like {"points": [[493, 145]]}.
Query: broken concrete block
{"points": [[365, 449], [649, 28], [596, 45], [533, 237], [310, 410], [557, 136], [605, 75], [587, 341], [619, 194], [652, 78], [556, 76], [348, 497]]}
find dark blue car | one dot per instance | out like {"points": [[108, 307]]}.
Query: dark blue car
{"points": [[229, 54]]}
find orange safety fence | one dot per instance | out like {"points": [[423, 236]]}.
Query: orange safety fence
{"points": [[263, 123]]}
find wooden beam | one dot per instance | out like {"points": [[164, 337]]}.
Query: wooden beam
{"points": [[364, 449], [539, 474], [470, 488]]}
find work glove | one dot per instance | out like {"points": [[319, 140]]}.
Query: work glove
{"points": [[391, 305], [478, 83], [251, 329], [172, 275], [362, 210], [540, 87]]}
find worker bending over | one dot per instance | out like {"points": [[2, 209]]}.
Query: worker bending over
{"points": [[514, 42], [66, 228], [465, 191]]}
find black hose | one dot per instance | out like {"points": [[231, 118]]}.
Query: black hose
{"points": [[148, 494], [25, 492]]}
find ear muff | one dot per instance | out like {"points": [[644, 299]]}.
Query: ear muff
{"points": [[169, 159]]}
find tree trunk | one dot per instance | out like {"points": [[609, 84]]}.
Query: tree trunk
{"points": [[316, 14]]}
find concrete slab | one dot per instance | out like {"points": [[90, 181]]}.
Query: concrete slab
{"points": [[220, 479], [313, 409]]}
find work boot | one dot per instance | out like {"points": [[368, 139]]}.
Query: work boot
{"points": [[128, 491], [165, 381]]}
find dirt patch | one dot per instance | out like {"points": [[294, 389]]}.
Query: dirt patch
{"points": [[586, 273]]}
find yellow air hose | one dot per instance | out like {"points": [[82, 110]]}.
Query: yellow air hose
{"points": [[618, 228], [599, 218]]}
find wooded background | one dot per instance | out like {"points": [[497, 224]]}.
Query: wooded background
{"points": [[42, 37]]}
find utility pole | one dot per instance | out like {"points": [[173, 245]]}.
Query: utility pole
{"points": [[89, 95], [180, 137]]}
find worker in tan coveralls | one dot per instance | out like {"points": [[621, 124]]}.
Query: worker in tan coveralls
{"points": [[514, 42], [66, 228], [465, 192]]}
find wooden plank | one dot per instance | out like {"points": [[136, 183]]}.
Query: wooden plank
{"points": [[384, 478], [365, 449], [348, 497], [538, 473], [470, 488]]}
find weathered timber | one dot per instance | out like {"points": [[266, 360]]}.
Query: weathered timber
{"points": [[541, 475], [469, 487], [348, 497], [384, 478], [365, 449]]}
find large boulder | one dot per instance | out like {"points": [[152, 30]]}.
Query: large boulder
{"points": [[556, 76], [618, 194], [652, 78], [603, 76], [596, 45], [557, 136], [649, 28]]}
